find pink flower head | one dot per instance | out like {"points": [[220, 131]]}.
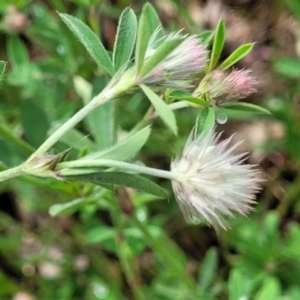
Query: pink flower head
{"points": [[180, 65], [241, 84], [221, 87], [211, 182]]}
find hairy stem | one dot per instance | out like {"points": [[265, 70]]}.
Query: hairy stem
{"points": [[64, 166], [65, 127], [11, 173]]}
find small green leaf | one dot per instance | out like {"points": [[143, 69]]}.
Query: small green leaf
{"points": [[123, 179], [125, 38], [143, 36], [183, 95], [154, 21], [125, 149], [246, 107], [102, 120], [67, 208], [160, 54], [238, 287], [270, 290], [75, 139], [35, 122], [2, 68], [208, 269], [90, 41], [161, 108], [236, 56], [17, 52], [96, 236], [218, 45], [106, 124], [288, 67], [7, 134], [206, 37], [205, 121], [83, 88]]}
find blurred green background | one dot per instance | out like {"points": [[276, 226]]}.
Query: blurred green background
{"points": [[129, 245]]}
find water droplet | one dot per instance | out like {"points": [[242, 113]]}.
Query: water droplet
{"points": [[141, 214], [100, 290], [221, 118], [63, 78], [61, 49], [275, 104]]}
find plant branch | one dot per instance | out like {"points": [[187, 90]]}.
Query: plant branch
{"points": [[113, 163]]}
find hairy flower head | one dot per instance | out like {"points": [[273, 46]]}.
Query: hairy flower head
{"points": [[211, 182], [221, 87], [180, 65]]}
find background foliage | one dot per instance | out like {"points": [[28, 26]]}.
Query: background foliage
{"points": [[129, 245]]}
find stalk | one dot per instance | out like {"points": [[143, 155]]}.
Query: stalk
{"points": [[114, 163], [11, 173]]}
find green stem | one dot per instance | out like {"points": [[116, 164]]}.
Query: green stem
{"points": [[145, 121], [65, 127], [11, 173], [6, 133], [116, 87], [179, 105], [125, 255], [114, 163]]}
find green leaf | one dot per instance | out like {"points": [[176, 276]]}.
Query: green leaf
{"points": [[125, 149], [154, 21], [161, 108], [143, 36], [237, 286], [242, 106], [232, 114], [125, 38], [218, 45], [2, 68], [236, 56], [288, 67], [96, 236], [206, 37], [270, 290], [9, 155], [102, 120], [7, 134], [67, 208], [75, 139], [205, 121], [35, 122], [90, 41], [123, 179], [17, 52], [83, 88], [183, 95], [208, 269], [160, 54]]}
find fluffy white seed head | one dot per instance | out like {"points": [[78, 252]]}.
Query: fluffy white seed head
{"points": [[211, 182]]}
